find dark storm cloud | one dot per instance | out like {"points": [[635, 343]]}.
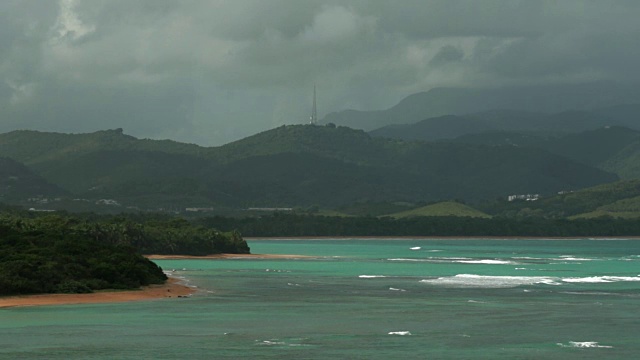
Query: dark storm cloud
{"points": [[213, 71]]}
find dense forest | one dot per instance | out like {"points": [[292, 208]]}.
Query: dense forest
{"points": [[281, 224], [63, 254], [289, 166]]}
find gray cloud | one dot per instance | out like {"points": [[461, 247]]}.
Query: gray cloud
{"points": [[214, 71]]}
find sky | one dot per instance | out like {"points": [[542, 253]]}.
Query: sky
{"points": [[211, 72]]}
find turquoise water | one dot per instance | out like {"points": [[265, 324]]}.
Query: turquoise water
{"points": [[365, 299]]}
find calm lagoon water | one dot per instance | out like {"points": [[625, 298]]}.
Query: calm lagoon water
{"points": [[365, 299]]}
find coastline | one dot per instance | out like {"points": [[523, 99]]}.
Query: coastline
{"points": [[171, 289], [225, 256], [260, 238]]}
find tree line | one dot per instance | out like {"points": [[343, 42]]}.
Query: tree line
{"points": [[78, 254], [282, 224]]}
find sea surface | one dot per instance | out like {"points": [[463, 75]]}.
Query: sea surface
{"points": [[364, 299]]}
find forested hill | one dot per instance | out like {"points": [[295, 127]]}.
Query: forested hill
{"points": [[19, 182], [619, 200], [58, 254], [515, 122], [33, 147], [458, 101], [290, 166], [610, 148]]}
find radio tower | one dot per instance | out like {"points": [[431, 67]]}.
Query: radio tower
{"points": [[314, 112]]}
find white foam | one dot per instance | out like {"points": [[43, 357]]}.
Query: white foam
{"points": [[371, 276], [271, 343], [572, 258], [484, 281], [415, 248], [584, 344], [405, 259], [401, 333], [487, 262], [601, 279], [395, 289], [432, 259]]}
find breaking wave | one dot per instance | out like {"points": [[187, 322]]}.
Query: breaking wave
{"points": [[487, 261], [584, 344], [402, 333], [601, 279], [486, 281]]}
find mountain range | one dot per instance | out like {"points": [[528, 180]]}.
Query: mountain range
{"points": [[290, 166], [470, 145], [547, 99], [513, 121]]}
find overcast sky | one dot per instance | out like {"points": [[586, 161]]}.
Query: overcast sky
{"points": [[213, 71]]}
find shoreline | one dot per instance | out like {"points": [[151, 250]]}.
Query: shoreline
{"points": [[600, 238], [171, 289], [226, 256]]}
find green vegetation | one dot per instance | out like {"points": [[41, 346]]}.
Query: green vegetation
{"points": [[281, 224], [625, 208], [447, 208], [18, 182], [569, 204], [53, 259], [374, 208], [290, 166], [625, 163], [55, 253]]}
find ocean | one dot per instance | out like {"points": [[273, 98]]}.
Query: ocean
{"points": [[364, 299]]}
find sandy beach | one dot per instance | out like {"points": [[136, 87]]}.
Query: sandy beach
{"points": [[226, 256], [171, 289]]}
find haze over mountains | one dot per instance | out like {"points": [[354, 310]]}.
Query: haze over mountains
{"points": [[462, 101], [475, 158], [294, 165]]}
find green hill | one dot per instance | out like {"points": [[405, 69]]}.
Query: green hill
{"points": [[471, 128], [503, 138], [594, 147], [619, 197], [447, 208], [611, 148], [290, 166], [34, 147], [459, 101], [628, 208], [443, 127], [19, 182], [625, 163]]}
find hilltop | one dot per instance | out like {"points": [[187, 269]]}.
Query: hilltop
{"points": [[289, 166], [477, 126], [447, 208], [607, 199], [537, 99]]}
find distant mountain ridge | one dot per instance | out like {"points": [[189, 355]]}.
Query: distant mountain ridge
{"points": [[290, 166], [461, 101], [32, 147], [452, 126]]}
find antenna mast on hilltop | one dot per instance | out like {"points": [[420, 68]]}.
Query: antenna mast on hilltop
{"points": [[314, 112]]}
